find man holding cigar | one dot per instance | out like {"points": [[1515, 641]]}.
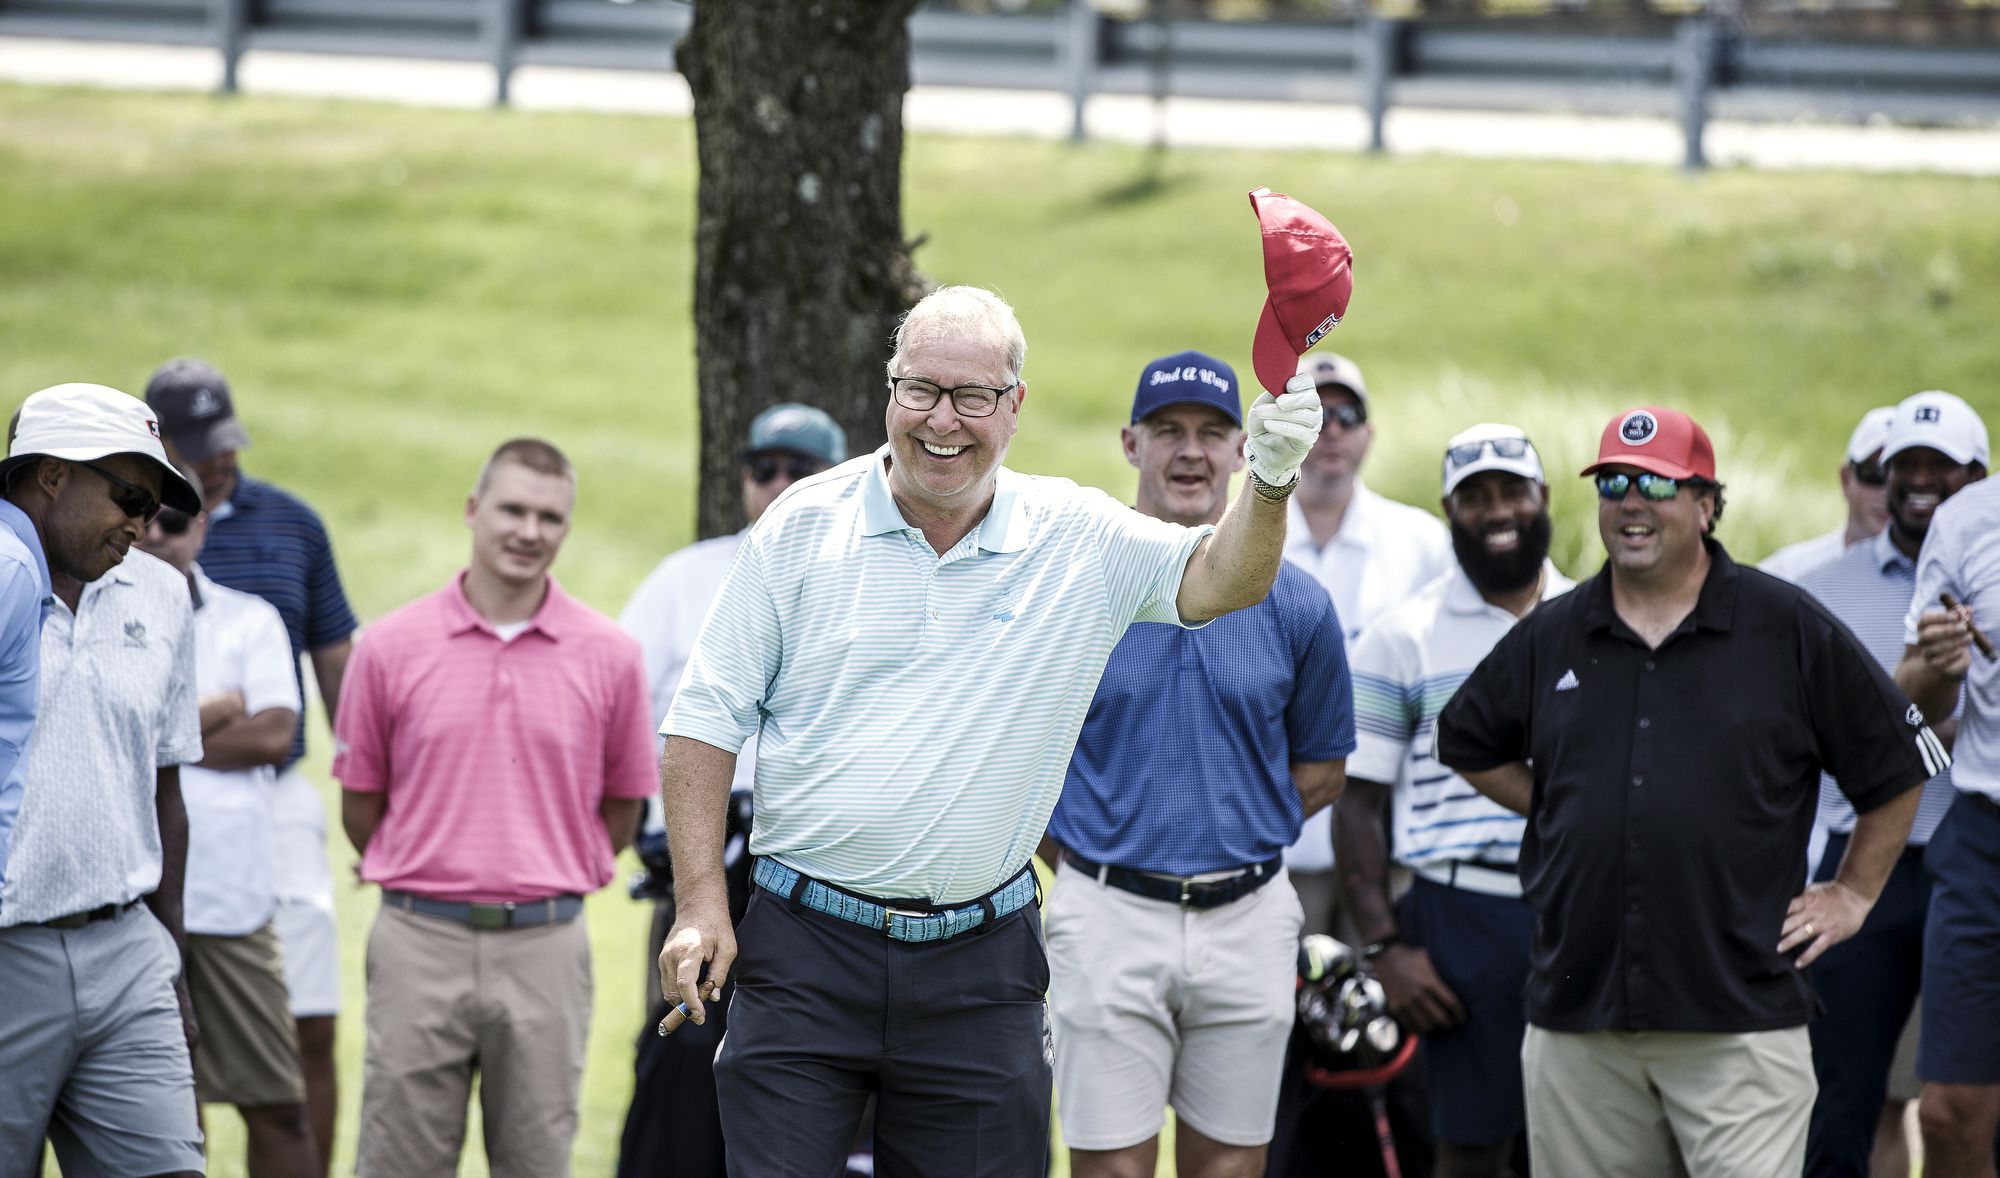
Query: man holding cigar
{"points": [[1935, 446], [914, 637], [1676, 710], [1948, 655]]}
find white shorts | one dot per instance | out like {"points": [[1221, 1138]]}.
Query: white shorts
{"points": [[304, 882], [1155, 1006]]}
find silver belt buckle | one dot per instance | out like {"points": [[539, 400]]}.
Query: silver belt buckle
{"points": [[1187, 892], [889, 916]]}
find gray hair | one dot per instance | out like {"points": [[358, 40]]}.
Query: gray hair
{"points": [[969, 309]]}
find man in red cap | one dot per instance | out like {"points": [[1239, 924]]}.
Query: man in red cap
{"points": [[1663, 727]]}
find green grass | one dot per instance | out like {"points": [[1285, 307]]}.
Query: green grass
{"points": [[392, 291]]}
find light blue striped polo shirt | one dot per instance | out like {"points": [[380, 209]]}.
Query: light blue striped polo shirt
{"points": [[1961, 556], [915, 713], [1868, 587], [1406, 667]]}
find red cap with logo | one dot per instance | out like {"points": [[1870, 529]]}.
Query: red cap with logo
{"points": [[1663, 441], [1309, 272]]}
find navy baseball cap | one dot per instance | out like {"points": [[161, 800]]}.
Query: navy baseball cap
{"points": [[801, 429], [1188, 378]]}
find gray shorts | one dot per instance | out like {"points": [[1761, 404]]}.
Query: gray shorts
{"points": [[93, 1052]]}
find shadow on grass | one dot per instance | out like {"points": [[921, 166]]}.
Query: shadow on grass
{"points": [[1152, 183]]}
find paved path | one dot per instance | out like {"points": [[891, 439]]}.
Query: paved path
{"points": [[1189, 122]]}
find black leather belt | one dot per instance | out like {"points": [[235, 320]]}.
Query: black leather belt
{"points": [[79, 919], [1188, 893], [513, 914]]}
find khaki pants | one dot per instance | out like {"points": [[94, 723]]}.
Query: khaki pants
{"points": [[1617, 1104], [444, 999]]}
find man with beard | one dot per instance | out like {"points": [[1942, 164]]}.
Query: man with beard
{"points": [[1861, 487], [1172, 929], [494, 751], [1936, 446], [1453, 955], [1369, 551], [1663, 726]]}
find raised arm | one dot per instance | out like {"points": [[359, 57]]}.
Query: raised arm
{"points": [[1234, 567]]}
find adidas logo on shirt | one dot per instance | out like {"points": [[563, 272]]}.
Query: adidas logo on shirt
{"points": [[1568, 682]]}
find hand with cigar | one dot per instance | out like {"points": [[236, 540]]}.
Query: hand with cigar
{"points": [[1933, 668]]}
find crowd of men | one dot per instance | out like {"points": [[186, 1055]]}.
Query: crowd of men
{"points": [[1680, 868]]}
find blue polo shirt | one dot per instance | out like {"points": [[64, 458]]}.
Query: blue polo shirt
{"points": [[24, 594], [268, 542], [1184, 762]]}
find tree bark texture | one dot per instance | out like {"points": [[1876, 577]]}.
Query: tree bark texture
{"points": [[801, 269]]}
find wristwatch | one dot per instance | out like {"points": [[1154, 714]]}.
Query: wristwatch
{"points": [[1378, 948]]}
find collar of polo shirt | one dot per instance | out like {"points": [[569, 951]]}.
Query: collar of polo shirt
{"points": [[1003, 530]]}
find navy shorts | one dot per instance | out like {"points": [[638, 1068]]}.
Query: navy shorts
{"points": [[1960, 1043], [1479, 946]]}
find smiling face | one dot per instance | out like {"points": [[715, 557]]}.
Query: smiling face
{"points": [[1920, 479], [1500, 529], [518, 518], [1647, 537], [942, 464], [1185, 455], [86, 531]]}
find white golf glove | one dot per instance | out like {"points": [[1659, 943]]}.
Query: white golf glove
{"points": [[1283, 429]]}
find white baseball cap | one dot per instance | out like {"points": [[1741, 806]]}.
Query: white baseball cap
{"points": [[81, 422], [1940, 421], [1490, 446], [1332, 368], [1870, 433]]}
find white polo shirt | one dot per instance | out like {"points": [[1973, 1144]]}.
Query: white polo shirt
{"points": [[240, 645], [915, 713], [1405, 669], [117, 702], [1961, 556], [1383, 553]]}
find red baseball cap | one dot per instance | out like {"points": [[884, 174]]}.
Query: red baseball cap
{"points": [[1663, 441], [1309, 272]]}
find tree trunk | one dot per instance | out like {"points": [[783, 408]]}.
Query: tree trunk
{"points": [[801, 269]]}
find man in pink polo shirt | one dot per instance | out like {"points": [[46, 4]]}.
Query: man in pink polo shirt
{"points": [[495, 747]]}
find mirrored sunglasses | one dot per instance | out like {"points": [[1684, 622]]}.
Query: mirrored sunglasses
{"points": [[1656, 487]]}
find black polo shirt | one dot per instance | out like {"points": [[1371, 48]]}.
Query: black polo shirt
{"points": [[1674, 791]]}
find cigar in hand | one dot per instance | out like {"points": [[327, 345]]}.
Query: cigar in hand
{"points": [[1980, 640]]}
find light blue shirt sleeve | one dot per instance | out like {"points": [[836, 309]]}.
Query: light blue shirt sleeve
{"points": [[735, 659], [1144, 560], [20, 675]]}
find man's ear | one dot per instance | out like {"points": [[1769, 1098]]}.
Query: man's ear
{"points": [[1129, 439]]}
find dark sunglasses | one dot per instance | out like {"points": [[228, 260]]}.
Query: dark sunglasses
{"points": [[172, 521], [1656, 487], [766, 467], [1869, 474], [134, 500], [1349, 416], [1503, 447]]}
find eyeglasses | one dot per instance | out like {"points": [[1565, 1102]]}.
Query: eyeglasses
{"points": [[1869, 474], [1349, 416], [135, 501], [1656, 487], [1470, 452], [967, 400], [766, 467], [172, 521]]}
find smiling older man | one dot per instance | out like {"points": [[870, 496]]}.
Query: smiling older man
{"points": [[914, 637]]}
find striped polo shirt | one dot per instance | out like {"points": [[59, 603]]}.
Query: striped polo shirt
{"points": [[1868, 587], [267, 542], [1406, 667], [1961, 556], [915, 713]]}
